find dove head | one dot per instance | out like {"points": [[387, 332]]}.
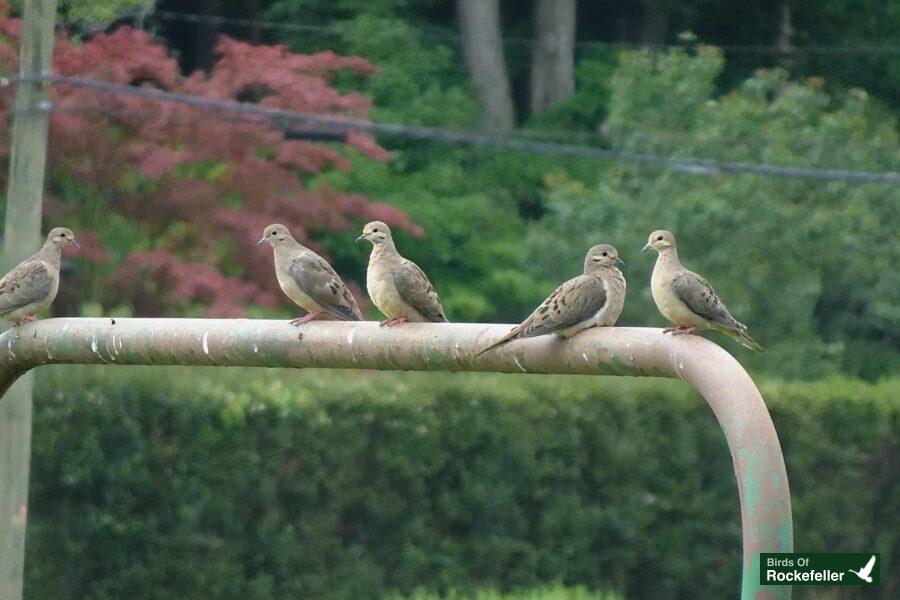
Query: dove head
{"points": [[377, 233], [601, 256], [661, 241], [60, 237], [276, 235]]}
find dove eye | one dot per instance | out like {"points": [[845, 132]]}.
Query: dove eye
{"points": [[605, 254], [659, 239]]}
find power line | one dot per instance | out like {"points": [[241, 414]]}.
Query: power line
{"points": [[453, 36], [326, 124], [333, 135]]}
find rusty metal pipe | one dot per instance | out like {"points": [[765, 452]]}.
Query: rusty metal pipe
{"points": [[720, 379]]}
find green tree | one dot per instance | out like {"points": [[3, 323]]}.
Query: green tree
{"points": [[806, 264]]}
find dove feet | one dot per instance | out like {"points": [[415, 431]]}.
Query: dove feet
{"points": [[306, 319], [392, 322]]}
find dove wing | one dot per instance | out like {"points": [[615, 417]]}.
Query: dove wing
{"points": [[318, 280]]}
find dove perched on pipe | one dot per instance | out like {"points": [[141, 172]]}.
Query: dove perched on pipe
{"points": [[397, 286], [308, 279], [32, 285], [593, 299], [687, 299]]}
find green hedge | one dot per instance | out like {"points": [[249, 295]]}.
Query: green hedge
{"points": [[170, 483], [541, 593]]}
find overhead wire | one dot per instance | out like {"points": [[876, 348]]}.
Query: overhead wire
{"points": [[453, 36], [343, 125]]}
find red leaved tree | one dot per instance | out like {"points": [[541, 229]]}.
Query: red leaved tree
{"points": [[199, 186]]}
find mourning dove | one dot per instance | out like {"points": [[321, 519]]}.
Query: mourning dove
{"points": [[688, 300], [397, 286], [593, 299], [32, 285], [308, 279]]}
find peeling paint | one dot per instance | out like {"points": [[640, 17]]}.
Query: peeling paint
{"points": [[206, 343], [615, 365]]}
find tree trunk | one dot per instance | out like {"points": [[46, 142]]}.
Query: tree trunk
{"points": [[654, 23], [207, 32], [785, 28], [784, 34], [254, 14], [553, 61], [479, 21]]}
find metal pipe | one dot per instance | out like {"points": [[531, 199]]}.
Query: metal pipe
{"points": [[720, 379]]}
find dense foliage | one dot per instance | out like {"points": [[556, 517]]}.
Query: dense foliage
{"points": [[180, 198], [288, 485], [305, 486], [805, 264], [172, 202], [556, 592], [849, 42]]}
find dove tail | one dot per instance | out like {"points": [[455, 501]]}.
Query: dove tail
{"points": [[740, 335], [505, 339]]}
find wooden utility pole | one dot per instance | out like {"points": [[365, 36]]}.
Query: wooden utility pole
{"points": [[21, 238]]}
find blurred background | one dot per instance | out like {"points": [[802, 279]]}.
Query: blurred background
{"points": [[303, 485]]}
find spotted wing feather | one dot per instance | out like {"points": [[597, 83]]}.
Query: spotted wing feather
{"points": [[318, 280], [699, 296], [571, 303], [416, 290], [28, 283]]}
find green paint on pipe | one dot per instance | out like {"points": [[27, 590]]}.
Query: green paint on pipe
{"points": [[786, 539], [751, 488]]}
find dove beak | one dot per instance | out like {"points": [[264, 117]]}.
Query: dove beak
{"points": [[619, 261], [646, 247], [360, 238], [261, 241]]}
